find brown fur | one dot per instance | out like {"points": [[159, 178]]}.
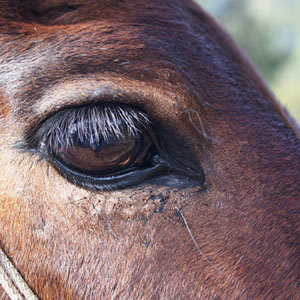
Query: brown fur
{"points": [[167, 58]]}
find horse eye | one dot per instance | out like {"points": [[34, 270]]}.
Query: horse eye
{"points": [[99, 147], [104, 156]]}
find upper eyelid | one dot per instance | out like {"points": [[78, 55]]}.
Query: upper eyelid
{"points": [[53, 102], [86, 91]]}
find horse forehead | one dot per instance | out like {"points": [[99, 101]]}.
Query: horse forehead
{"points": [[116, 30], [146, 53]]}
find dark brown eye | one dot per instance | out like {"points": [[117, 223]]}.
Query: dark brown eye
{"points": [[104, 156], [99, 146]]}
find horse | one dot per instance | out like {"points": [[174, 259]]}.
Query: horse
{"points": [[142, 157]]}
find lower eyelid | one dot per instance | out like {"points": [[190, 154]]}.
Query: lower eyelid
{"points": [[133, 177]]}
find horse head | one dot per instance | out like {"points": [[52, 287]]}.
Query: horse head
{"points": [[142, 156]]}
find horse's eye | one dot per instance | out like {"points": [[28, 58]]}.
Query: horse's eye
{"points": [[99, 147], [104, 156]]}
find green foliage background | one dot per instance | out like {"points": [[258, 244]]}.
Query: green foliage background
{"points": [[269, 32]]}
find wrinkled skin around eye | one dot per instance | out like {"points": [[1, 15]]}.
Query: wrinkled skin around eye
{"points": [[104, 156]]}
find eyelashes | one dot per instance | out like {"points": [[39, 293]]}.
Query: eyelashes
{"points": [[95, 123]]}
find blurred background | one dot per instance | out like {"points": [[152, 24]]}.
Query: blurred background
{"points": [[269, 32]]}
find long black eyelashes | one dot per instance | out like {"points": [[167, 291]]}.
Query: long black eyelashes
{"points": [[101, 122]]}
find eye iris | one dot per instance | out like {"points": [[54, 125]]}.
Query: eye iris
{"points": [[100, 157]]}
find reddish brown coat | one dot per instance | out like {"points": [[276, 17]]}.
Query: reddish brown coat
{"points": [[172, 60]]}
